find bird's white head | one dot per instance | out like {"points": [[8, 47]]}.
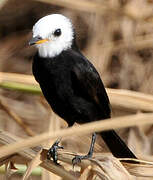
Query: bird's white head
{"points": [[52, 34]]}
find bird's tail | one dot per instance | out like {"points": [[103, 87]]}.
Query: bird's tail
{"points": [[116, 145]]}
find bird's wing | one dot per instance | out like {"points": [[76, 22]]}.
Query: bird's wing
{"points": [[89, 84]]}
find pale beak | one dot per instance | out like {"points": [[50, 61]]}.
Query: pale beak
{"points": [[37, 40]]}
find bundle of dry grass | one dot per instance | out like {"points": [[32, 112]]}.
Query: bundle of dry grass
{"points": [[101, 166]]}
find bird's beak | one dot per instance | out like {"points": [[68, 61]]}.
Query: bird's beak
{"points": [[37, 40]]}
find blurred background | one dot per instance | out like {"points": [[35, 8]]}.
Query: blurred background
{"points": [[115, 35]]}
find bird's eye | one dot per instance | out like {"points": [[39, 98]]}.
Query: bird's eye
{"points": [[57, 32]]}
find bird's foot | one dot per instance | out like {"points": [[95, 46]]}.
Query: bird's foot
{"points": [[52, 152], [77, 159]]}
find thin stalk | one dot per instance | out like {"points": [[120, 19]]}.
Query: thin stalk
{"points": [[21, 170], [32, 89]]}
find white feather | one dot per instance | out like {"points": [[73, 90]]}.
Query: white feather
{"points": [[45, 28]]}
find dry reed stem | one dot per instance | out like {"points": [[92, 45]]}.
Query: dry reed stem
{"points": [[86, 173], [114, 168], [16, 118], [15, 77], [131, 94], [119, 122], [146, 170], [130, 100], [36, 161]]}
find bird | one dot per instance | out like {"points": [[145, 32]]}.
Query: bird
{"points": [[70, 83]]}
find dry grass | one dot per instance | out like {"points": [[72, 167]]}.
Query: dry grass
{"points": [[103, 166], [120, 122], [117, 36]]}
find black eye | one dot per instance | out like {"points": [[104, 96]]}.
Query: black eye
{"points": [[57, 32]]}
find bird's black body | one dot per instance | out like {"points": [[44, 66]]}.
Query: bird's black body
{"points": [[74, 89]]}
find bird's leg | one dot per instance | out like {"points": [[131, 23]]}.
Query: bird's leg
{"points": [[77, 159], [52, 152]]}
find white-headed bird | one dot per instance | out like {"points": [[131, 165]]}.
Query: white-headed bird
{"points": [[70, 83]]}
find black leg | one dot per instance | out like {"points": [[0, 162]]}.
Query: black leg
{"points": [[52, 152], [77, 159]]}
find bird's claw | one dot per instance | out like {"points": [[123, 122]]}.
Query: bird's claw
{"points": [[52, 152], [77, 160]]}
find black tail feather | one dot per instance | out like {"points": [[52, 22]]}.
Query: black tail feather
{"points": [[116, 145]]}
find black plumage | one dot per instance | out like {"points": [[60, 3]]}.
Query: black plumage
{"points": [[75, 91]]}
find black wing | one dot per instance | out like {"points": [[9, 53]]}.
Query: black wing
{"points": [[93, 89], [90, 85]]}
